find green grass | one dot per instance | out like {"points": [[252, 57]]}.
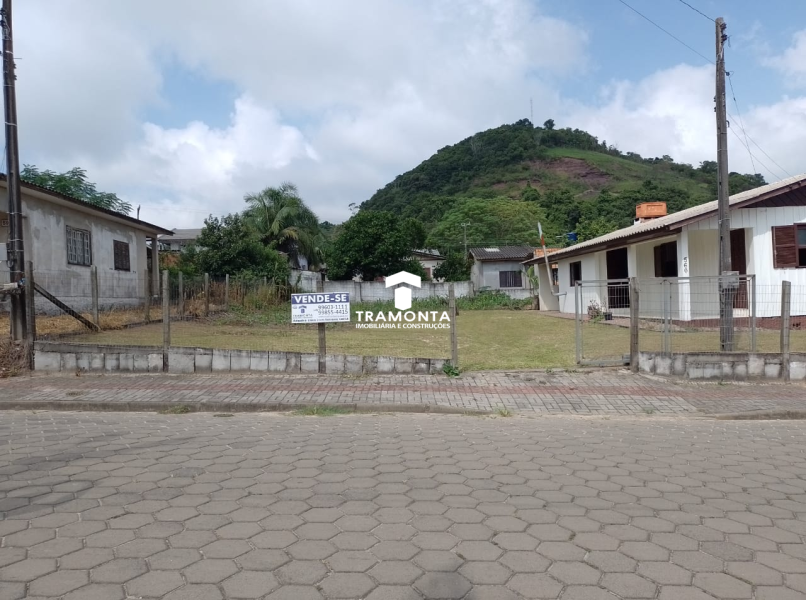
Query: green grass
{"points": [[179, 409], [322, 411], [488, 339]]}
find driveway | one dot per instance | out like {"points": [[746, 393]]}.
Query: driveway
{"points": [[400, 507]]}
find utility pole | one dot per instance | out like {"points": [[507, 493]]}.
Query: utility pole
{"points": [[16, 254], [464, 226], [726, 285]]}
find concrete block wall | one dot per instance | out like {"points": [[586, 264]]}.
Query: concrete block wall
{"points": [[54, 357], [721, 366], [373, 291]]}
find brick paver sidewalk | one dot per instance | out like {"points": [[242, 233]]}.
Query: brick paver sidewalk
{"points": [[583, 392]]}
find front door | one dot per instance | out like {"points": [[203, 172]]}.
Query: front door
{"points": [[738, 259], [618, 294]]}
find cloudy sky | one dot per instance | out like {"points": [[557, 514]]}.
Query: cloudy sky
{"points": [[184, 106]]}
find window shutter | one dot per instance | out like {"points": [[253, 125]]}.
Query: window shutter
{"points": [[784, 247]]}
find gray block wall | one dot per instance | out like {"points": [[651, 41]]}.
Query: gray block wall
{"points": [[722, 366], [55, 357]]}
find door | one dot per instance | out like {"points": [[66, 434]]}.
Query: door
{"points": [[738, 260], [618, 294]]}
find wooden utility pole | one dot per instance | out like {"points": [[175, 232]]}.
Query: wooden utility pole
{"points": [[726, 290], [320, 288], [16, 254]]}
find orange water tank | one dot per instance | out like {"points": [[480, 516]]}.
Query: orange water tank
{"points": [[650, 210]]}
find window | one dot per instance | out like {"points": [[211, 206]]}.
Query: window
{"points": [[789, 247], [666, 260], [555, 275], [121, 251], [576, 272], [510, 279], [79, 247]]}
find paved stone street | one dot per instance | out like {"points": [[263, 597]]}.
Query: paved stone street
{"points": [[400, 507], [610, 392]]}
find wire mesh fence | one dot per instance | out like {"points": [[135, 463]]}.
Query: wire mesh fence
{"points": [[129, 309], [602, 321], [677, 315]]}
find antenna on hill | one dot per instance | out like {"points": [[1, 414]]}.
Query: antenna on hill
{"points": [[531, 111]]}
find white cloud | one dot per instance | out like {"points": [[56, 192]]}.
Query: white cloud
{"points": [[792, 62], [672, 112], [338, 97]]}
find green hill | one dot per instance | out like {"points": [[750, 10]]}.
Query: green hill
{"points": [[572, 181]]}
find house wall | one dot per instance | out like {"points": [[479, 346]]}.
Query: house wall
{"points": [[758, 224], [45, 230], [430, 264], [484, 274], [591, 264], [697, 246]]}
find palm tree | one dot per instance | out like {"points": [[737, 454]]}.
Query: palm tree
{"points": [[283, 222]]}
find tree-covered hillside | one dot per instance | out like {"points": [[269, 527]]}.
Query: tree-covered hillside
{"points": [[569, 178]]}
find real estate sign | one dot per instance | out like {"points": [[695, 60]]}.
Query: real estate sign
{"points": [[320, 308]]}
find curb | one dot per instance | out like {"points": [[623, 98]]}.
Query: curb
{"points": [[762, 415], [228, 407]]}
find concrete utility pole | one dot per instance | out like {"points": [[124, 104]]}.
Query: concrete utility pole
{"points": [[16, 254], [726, 291], [464, 226]]}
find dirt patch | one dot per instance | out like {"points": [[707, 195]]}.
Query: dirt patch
{"points": [[575, 168]]}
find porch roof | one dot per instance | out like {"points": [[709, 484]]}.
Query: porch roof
{"points": [[662, 226]]}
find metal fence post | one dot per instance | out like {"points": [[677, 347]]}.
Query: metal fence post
{"points": [[206, 294], [94, 287], [578, 321], [454, 336], [166, 319], [753, 305], [181, 294], [667, 316], [30, 311], [320, 288], [634, 325], [786, 307], [147, 289], [226, 291]]}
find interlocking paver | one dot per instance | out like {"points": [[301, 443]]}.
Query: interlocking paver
{"points": [[664, 508]]}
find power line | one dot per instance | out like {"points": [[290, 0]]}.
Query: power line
{"points": [[741, 124], [697, 10], [752, 141], [742, 142], [677, 39], [666, 31]]}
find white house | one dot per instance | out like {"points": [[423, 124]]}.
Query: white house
{"points": [[64, 237], [768, 240], [429, 259], [501, 268], [179, 239]]}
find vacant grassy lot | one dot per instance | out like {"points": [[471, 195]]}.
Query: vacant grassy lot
{"points": [[488, 339]]}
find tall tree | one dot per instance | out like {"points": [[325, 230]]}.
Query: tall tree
{"points": [[490, 222], [284, 222], [74, 183], [227, 246], [374, 244]]}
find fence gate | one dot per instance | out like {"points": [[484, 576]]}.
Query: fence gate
{"points": [[602, 319]]}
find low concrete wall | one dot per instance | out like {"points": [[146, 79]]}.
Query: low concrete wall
{"points": [[372, 291], [722, 366], [55, 356]]}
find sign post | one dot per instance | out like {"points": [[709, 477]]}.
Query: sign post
{"points": [[320, 308]]}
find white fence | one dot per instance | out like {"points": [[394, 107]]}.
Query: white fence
{"points": [[373, 291]]}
